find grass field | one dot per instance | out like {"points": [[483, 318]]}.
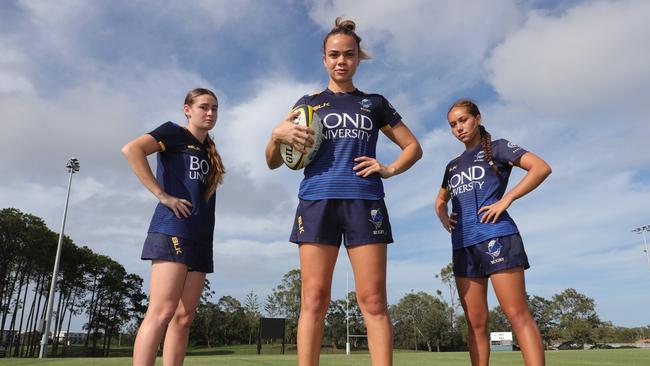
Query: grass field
{"points": [[241, 356]]}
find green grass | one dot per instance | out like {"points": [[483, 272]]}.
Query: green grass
{"points": [[245, 356]]}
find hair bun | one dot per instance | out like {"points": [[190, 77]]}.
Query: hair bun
{"points": [[348, 24]]}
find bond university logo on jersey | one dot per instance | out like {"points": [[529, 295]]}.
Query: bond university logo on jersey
{"points": [[494, 250], [377, 220], [479, 157], [466, 181], [347, 126], [199, 168]]}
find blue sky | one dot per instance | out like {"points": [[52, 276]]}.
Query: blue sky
{"points": [[567, 80]]}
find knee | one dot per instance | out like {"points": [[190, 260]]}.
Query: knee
{"points": [[315, 301], [162, 315], [518, 316], [477, 319], [373, 303], [183, 317]]}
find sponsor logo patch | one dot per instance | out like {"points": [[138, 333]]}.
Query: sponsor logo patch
{"points": [[177, 245], [301, 228], [317, 107]]}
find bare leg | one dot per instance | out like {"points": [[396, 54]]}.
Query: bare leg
{"points": [[167, 280], [178, 329], [316, 268], [473, 297], [369, 266], [509, 286]]}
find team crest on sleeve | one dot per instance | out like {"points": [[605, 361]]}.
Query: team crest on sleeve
{"points": [[377, 220], [513, 146], [494, 250]]}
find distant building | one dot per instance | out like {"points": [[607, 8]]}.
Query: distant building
{"points": [[71, 337], [500, 341]]}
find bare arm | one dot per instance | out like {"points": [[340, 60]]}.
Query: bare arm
{"points": [[442, 210], [288, 133], [411, 152], [136, 153], [537, 171]]}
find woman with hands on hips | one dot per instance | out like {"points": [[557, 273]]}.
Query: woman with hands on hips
{"points": [[486, 241], [179, 239]]}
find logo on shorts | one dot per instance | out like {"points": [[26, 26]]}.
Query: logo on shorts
{"points": [[494, 250], [301, 228], [377, 220], [177, 245]]}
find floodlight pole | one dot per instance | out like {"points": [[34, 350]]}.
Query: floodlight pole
{"points": [[642, 230], [73, 167], [347, 314]]}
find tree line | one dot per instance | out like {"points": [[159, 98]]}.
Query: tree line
{"points": [[88, 284], [421, 321], [112, 303]]}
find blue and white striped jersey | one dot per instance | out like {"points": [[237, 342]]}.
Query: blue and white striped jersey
{"points": [[351, 124], [472, 184]]}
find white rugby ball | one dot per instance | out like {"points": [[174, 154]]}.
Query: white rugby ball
{"points": [[293, 158]]}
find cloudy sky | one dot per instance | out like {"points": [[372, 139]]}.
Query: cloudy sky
{"points": [[568, 80]]}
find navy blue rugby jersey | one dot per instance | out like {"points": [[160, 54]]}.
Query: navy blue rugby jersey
{"points": [[472, 184], [351, 124], [182, 171]]}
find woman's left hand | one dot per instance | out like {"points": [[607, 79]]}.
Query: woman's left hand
{"points": [[367, 166], [494, 211]]}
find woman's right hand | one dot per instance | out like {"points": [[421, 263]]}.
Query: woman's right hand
{"points": [[449, 223], [179, 206], [289, 133]]}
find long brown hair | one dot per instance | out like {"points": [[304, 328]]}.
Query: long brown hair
{"points": [[347, 27], [215, 175], [486, 138]]}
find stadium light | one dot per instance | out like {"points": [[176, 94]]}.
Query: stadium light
{"points": [[73, 167], [642, 230]]}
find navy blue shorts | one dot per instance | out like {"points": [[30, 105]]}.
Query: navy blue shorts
{"points": [[197, 256], [353, 220], [490, 256]]}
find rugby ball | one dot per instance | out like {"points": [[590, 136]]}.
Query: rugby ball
{"points": [[308, 117]]}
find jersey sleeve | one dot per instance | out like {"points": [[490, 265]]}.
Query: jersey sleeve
{"points": [[507, 151], [388, 115], [445, 178], [166, 135], [302, 100]]}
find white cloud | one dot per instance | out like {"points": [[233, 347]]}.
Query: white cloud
{"points": [[590, 58]]}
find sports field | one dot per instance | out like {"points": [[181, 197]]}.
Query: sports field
{"points": [[230, 357]]}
